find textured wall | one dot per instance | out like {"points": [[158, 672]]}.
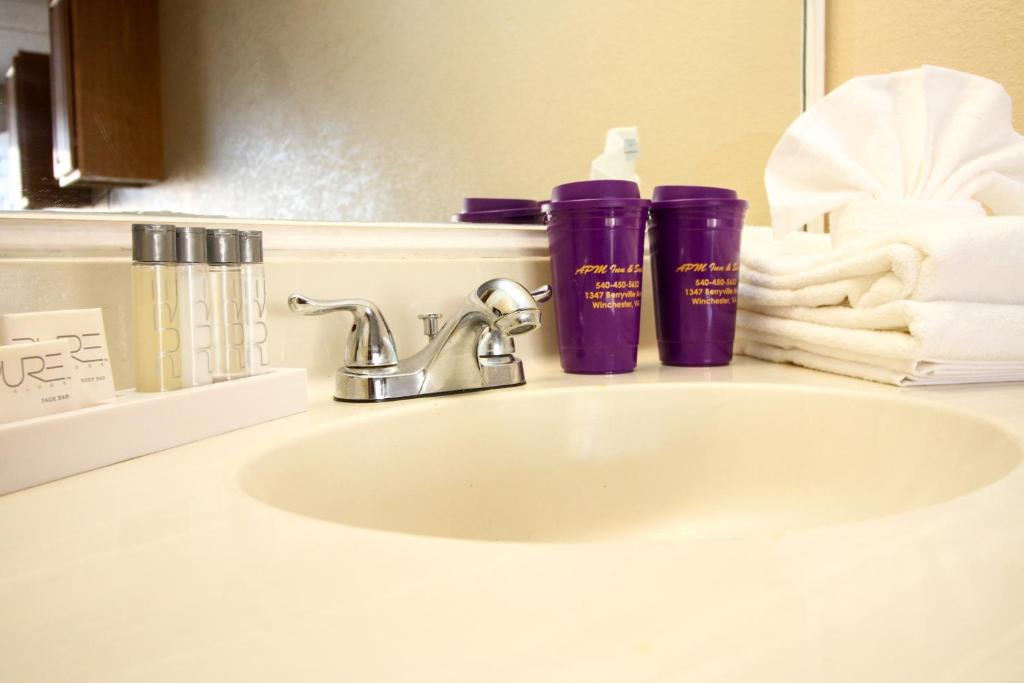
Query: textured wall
{"points": [[358, 110], [23, 26], [980, 36]]}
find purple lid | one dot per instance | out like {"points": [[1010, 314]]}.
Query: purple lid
{"points": [[595, 194], [498, 210], [694, 196], [474, 204]]}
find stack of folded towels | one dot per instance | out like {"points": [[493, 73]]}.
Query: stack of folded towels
{"points": [[921, 279]]}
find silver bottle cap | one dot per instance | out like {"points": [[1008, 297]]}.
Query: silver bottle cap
{"points": [[191, 244], [251, 243], [153, 243], [221, 246]]}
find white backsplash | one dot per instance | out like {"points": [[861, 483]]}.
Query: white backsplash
{"points": [[435, 280]]}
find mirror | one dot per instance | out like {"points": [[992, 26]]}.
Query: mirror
{"points": [[394, 111]]}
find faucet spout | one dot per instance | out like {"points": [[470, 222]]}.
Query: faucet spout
{"points": [[512, 307]]}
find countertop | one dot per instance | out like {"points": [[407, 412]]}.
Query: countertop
{"points": [[164, 569]]}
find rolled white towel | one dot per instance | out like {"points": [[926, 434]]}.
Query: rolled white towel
{"points": [[928, 134], [916, 284]]}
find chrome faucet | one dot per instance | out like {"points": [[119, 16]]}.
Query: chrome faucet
{"points": [[472, 351]]}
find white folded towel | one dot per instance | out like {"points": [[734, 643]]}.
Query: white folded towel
{"points": [[929, 134], [897, 371], [980, 259], [916, 284], [899, 342], [908, 330]]}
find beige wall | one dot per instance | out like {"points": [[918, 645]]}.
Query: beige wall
{"points": [[980, 36], [360, 110]]}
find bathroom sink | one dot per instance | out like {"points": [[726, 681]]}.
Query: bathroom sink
{"points": [[638, 462]]}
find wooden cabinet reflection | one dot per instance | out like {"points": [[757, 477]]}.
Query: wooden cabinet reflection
{"points": [[106, 92], [33, 185]]}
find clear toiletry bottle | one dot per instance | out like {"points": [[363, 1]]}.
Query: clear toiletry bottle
{"points": [[222, 255], [254, 302], [196, 313], [156, 311]]}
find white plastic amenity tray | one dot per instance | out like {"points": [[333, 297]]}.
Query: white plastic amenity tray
{"points": [[51, 447]]}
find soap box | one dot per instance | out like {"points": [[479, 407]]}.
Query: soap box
{"points": [[37, 378], [83, 328]]}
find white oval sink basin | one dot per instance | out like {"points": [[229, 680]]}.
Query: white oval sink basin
{"points": [[598, 464]]}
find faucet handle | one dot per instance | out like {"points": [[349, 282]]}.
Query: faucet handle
{"points": [[370, 344], [430, 323], [541, 294]]}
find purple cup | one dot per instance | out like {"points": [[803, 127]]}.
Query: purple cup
{"points": [[596, 236], [695, 253], [497, 210]]}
